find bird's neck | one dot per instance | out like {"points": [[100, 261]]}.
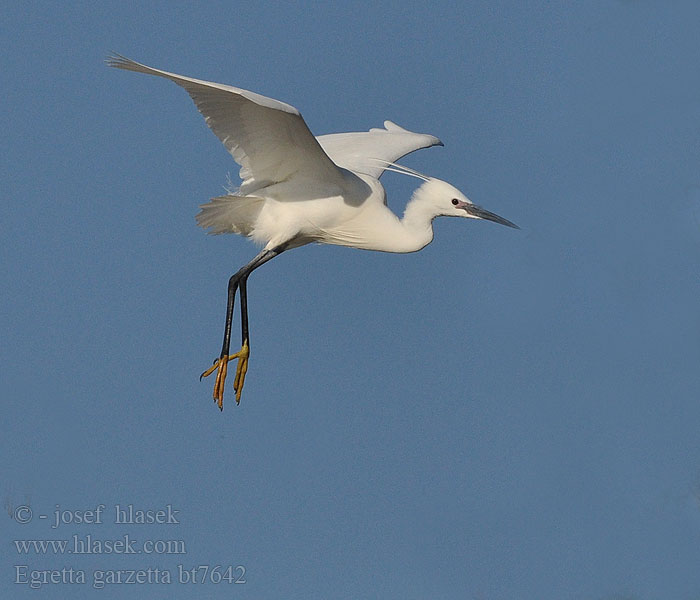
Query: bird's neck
{"points": [[417, 221]]}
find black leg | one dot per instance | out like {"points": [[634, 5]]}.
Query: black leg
{"points": [[232, 286], [244, 310], [237, 282]]}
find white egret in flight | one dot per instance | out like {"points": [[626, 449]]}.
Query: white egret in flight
{"points": [[297, 189]]}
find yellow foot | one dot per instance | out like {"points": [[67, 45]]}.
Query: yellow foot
{"points": [[221, 367]]}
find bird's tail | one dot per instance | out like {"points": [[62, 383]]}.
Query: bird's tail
{"points": [[230, 214]]}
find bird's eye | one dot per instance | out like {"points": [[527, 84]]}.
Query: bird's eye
{"points": [[455, 202]]}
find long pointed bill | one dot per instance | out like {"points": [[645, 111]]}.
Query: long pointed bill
{"points": [[482, 213]]}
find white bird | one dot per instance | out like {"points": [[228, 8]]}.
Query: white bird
{"points": [[297, 189]]}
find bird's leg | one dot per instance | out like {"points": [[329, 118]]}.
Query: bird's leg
{"points": [[221, 364], [244, 352], [236, 282]]}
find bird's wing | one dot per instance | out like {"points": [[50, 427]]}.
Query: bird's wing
{"points": [[369, 152], [268, 138]]}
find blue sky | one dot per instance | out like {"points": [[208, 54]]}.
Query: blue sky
{"points": [[506, 414]]}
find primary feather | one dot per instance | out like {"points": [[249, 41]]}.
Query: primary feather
{"points": [[370, 151], [268, 138]]}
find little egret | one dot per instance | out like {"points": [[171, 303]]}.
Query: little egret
{"points": [[297, 189]]}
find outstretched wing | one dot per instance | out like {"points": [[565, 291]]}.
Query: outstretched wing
{"points": [[268, 138], [369, 152]]}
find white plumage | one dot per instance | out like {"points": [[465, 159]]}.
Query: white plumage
{"points": [[297, 188]]}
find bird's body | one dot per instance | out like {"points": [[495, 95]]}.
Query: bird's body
{"points": [[298, 189], [354, 214]]}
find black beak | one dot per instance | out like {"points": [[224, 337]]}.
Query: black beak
{"points": [[482, 213]]}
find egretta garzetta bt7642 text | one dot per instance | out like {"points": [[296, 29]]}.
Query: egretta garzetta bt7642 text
{"points": [[297, 189]]}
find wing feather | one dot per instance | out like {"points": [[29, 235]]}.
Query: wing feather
{"points": [[267, 138], [369, 152]]}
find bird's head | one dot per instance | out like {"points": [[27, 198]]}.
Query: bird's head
{"points": [[447, 201]]}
